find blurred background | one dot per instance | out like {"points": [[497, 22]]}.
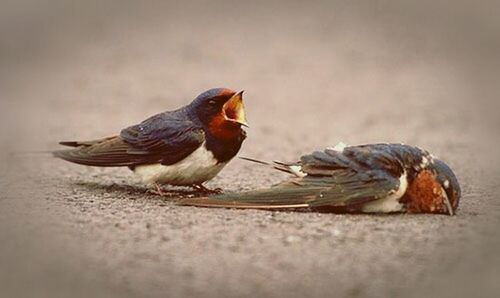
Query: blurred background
{"points": [[314, 73]]}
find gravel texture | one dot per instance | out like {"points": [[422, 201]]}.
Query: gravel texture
{"points": [[314, 75]]}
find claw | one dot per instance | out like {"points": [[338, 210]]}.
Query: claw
{"points": [[158, 191], [203, 189]]}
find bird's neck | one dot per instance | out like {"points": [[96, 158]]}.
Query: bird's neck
{"points": [[225, 146]]}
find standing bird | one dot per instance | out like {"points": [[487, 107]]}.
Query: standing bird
{"points": [[184, 147], [376, 178]]}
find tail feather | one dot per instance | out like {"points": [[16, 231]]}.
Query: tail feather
{"points": [[85, 143], [271, 198], [277, 165], [255, 160], [107, 152], [70, 144], [211, 203]]}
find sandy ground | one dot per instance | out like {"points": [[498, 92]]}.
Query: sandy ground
{"points": [[314, 75]]}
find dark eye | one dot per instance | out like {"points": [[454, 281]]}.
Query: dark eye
{"points": [[212, 102]]}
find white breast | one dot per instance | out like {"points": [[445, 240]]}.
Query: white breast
{"points": [[198, 167], [391, 202]]}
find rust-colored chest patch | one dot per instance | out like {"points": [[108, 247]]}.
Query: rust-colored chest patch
{"points": [[425, 194], [223, 129]]}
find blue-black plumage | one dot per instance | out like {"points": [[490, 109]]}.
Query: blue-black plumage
{"points": [[374, 178], [187, 146]]}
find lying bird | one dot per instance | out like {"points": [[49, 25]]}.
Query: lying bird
{"points": [[184, 147], [376, 178]]}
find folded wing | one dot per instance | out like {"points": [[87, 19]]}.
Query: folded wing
{"points": [[334, 182], [164, 139]]}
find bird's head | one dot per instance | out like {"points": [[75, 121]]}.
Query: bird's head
{"points": [[434, 189], [221, 110], [449, 185]]}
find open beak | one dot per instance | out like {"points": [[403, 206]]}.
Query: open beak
{"points": [[234, 110]]}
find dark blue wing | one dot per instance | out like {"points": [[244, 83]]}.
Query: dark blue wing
{"points": [[345, 191], [337, 181], [358, 159], [165, 138]]}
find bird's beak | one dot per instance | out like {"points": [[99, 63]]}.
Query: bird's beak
{"points": [[447, 203], [234, 110]]}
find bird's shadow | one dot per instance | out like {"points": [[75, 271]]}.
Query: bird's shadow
{"points": [[174, 193]]}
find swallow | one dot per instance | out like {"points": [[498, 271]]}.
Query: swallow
{"points": [[184, 147], [374, 178]]}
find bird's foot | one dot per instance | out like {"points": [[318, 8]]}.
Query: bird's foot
{"points": [[202, 189], [157, 191]]}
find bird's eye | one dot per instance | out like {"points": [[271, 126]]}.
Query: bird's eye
{"points": [[212, 102]]}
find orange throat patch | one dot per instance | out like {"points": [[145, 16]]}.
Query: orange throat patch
{"points": [[224, 129], [425, 194]]}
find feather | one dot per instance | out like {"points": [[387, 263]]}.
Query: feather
{"points": [[165, 138], [331, 180], [344, 190]]}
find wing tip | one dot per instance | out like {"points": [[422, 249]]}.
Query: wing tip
{"points": [[207, 202], [254, 160], [69, 143]]}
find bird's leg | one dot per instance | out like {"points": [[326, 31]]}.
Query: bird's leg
{"points": [[203, 189], [158, 190]]}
